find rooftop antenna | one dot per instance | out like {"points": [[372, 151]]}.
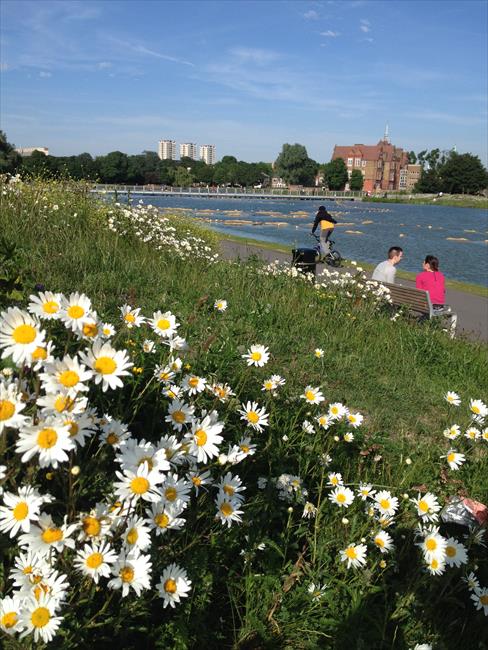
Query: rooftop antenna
{"points": [[386, 137]]}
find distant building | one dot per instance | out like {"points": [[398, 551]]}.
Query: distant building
{"points": [[278, 183], [167, 149], [380, 164], [412, 177], [28, 151], [188, 150], [207, 153]]}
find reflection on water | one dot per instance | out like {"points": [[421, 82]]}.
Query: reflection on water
{"points": [[365, 231]]}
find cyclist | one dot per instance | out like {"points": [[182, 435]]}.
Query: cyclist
{"points": [[327, 223]]}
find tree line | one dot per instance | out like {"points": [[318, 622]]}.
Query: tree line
{"points": [[442, 171]]}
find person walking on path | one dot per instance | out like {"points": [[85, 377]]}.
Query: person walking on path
{"points": [[326, 222], [386, 271]]}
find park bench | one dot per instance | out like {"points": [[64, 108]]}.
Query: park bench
{"points": [[418, 301]]}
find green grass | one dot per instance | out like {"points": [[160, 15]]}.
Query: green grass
{"points": [[453, 200], [394, 373]]}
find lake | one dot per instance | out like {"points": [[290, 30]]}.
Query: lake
{"points": [[457, 236]]}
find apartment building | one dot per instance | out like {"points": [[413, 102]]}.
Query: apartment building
{"points": [[188, 150], [207, 153], [167, 149], [409, 177], [380, 164], [25, 152]]}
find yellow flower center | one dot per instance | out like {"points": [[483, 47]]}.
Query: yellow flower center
{"points": [[91, 526], [475, 409], [69, 378], [63, 403], [147, 460], [431, 544], [21, 511], [229, 490], [484, 600], [73, 427], [341, 497], [75, 311], [9, 619], [310, 395], [385, 503], [434, 564], [132, 536], [170, 586], [170, 493], [256, 356], [163, 324], [130, 318], [51, 535], [112, 438], [179, 417], [196, 480], [161, 520], [164, 375], [139, 485], [105, 365], [40, 617], [226, 509], [94, 560], [253, 417], [7, 409], [193, 382], [379, 542], [50, 307], [47, 438], [450, 458], [24, 334], [351, 553], [201, 437], [39, 354], [423, 506], [127, 574], [244, 448], [90, 329], [27, 570], [451, 551]]}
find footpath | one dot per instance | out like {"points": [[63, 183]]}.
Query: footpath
{"points": [[472, 310]]}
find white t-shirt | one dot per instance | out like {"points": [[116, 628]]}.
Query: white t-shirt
{"points": [[384, 272]]}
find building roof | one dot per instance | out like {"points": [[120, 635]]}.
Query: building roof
{"points": [[383, 149]]}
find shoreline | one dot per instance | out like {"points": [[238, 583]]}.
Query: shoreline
{"points": [[451, 200], [458, 285]]}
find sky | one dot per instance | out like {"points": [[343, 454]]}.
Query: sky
{"points": [[245, 75]]}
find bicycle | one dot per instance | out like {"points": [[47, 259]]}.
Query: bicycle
{"points": [[332, 257]]}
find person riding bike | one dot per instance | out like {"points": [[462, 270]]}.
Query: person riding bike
{"points": [[327, 223]]}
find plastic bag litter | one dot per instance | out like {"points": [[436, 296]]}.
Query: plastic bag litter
{"points": [[465, 512]]}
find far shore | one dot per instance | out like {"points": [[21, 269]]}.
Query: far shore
{"points": [[452, 200]]}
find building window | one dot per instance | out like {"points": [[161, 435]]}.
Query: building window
{"points": [[363, 163], [357, 162], [349, 162]]}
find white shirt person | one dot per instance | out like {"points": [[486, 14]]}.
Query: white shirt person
{"points": [[386, 271]]}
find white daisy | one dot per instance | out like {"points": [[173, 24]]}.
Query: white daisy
{"points": [[383, 541], [337, 411], [436, 565], [454, 459], [220, 305], [324, 421], [433, 545], [20, 510], [114, 432], [312, 395], [143, 484], [354, 555], [473, 434], [472, 581], [46, 535], [309, 510], [204, 439], [108, 364], [199, 479], [165, 516], [38, 618], [319, 353], [365, 490], [131, 571], [19, 335], [179, 414], [148, 346], [164, 325], [348, 436], [254, 416], [46, 305], [452, 432], [257, 355], [231, 486], [478, 408], [136, 452], [60, 403], [75, 311], [136, 535], [50, 438], [228, 509], [342, 496], [10, 612], [80, 427], [316, 591], [175, 490], [108, 330], [173, 585], [42, 354], [222, 391], [131, 316], [385, 503], [335, 479], [30, 568], [67, 375], [11, 405], [95, 524], [452, 398], [355, 419], [480, 599], [427, 507], [456, 553], [192, 384], [95, 560]]}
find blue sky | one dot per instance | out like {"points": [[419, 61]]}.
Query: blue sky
{"points": [[247, 76]]}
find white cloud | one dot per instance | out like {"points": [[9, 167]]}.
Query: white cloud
{"points": [[330, 34], [45, 75], [311, 15], [365, 25], [104, 65], [256, 55]]}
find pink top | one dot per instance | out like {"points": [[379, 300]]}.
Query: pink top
{"points": [[434, 283]]}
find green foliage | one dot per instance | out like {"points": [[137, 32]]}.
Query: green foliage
{"points": [[356, 181], [294, 165], [336, 174], [451, 172], [10, 160]]}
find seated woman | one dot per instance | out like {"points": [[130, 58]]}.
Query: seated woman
{"points": [[432, 281]]}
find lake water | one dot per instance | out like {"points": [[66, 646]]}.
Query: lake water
{"points": [[457, 236]]}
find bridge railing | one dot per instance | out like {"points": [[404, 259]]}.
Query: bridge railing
{"points": [[149, 189]]}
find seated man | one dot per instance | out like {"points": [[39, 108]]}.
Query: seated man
{"points": [[386, 271]]}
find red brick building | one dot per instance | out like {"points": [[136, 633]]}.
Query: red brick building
{"points": [[380, 164]]}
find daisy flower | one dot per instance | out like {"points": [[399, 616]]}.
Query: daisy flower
{"points": [[220, 305], [244, 448], [164, 373], [164, 324], [484, 434], [436, 565], [108, 330], [254, 416], [257, 355], [228, 509], [75, 310], [316, 591], [452, 432], [143, 484], [324, 421], [309, 510], [42, 354], [175, 491], [199, 479], [427, 507], [354, 555], [204, 439], [66, 375], [472, 434], [307, 427], [383, 541], [131, 571], [131, 317], [95, 560], [355, 419], [172, 449], [11, 405], [38, 618], [348, 436], [312, 395], [95, 524], [148, 346], [452, 398], [46, 305], [20, 510], [337, 411], [454, 459], [231, 486], [319, 353], [222, 391], [108, 364], [173, 585], [46, 535], [164, 517], [480, 599], [179, 414], [80, 427], [342, 496], [50, 439], [60, 403], [433, 545], [271, 385], [192, 384], [472, 581], [456, 553], [385, 503], [136, 535], [30, 568], [134, 453], [10, 615], [478, 408], [114, 432], [365, 490], [335, 479], [19, 335]]}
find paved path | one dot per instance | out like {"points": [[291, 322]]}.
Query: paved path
{"points": [[472, 310]]}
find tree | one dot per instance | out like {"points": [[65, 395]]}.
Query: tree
{"points": [[183, 178], [10, 160], [412, 158], [294, 165], [113, 167], [356, 181], [463, 174], [336, 173]]}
